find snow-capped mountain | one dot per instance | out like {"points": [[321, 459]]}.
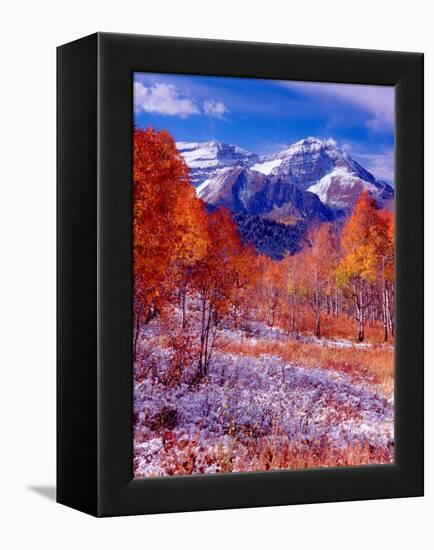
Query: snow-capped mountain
{"points": [[248, 191], [271, 213], [309, 160], [205, 158], [321, 167], [341, 188], [314, 165], [233, 187], [275, 199]]}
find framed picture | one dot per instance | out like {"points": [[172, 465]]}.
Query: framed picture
{"points": [[240, 274]]}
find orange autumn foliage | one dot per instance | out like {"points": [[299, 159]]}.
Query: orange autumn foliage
{"points": [[169, 220], [367, 259], [363, 239]]}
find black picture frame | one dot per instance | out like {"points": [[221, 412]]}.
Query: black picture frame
{"points": [[94, 372]]}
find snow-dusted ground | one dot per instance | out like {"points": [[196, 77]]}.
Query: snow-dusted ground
{"points": [[246, 398]]}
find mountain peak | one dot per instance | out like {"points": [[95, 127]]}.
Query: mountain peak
{"points": [[206, 157], [309, 160], [311, 143], [312, 164], [275, 198], [311, 140]]}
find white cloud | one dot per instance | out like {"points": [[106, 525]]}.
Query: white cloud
{"points": [[380, 164], [377, 101], [377, 124], [166, 99], [163, 99], [215, 109]]}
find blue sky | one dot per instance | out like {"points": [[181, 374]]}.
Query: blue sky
{"points": [[266, 116]]}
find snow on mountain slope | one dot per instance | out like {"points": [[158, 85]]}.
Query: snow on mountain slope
{"points": [[242, 189], [219, 185], [275, 199], [311, 164], [321, 167], [267, 166], [205, 158], [309, 160], [341, 189], [233, 187]]}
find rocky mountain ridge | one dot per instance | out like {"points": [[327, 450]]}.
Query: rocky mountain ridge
{"points": [[283, 194]]}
